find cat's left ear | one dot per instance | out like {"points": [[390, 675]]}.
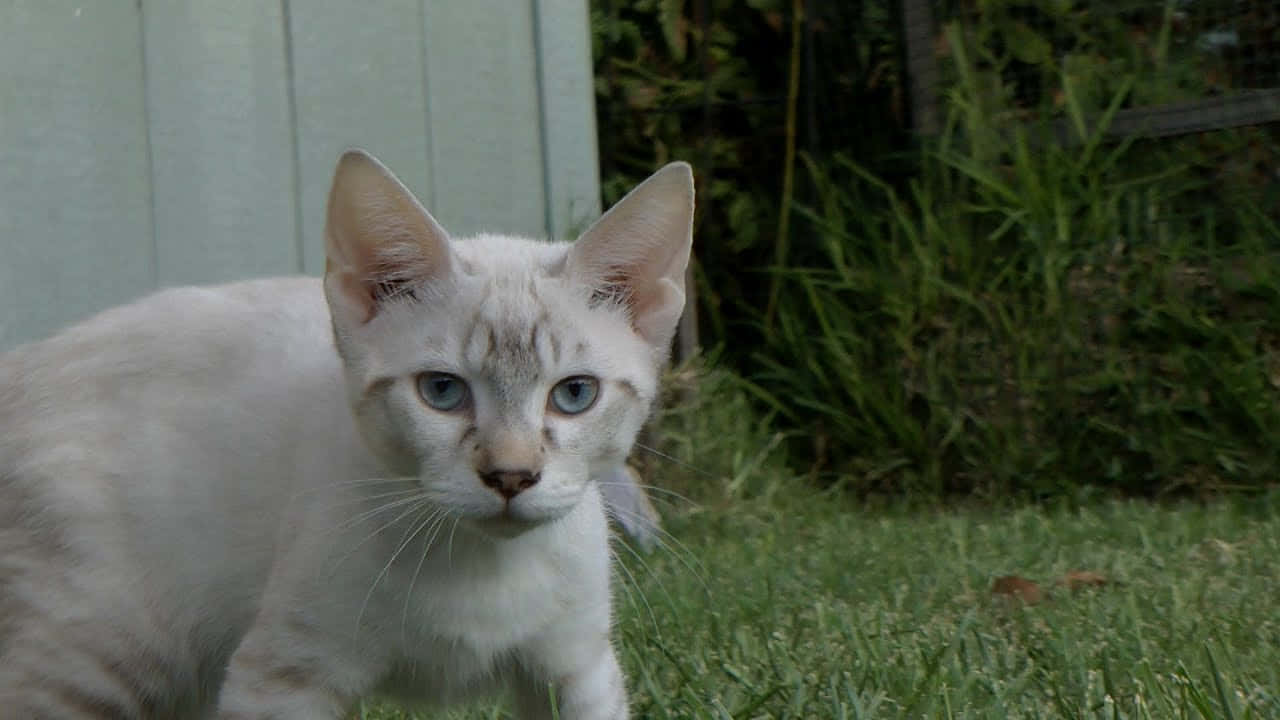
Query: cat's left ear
{"points": [[379, 241], [639, 249]]}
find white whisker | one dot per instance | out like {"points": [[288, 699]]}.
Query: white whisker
{"points": [[376, 532], [440, 516], [676, 460], [697, 572], [368, 514], [451, 532], [650, 571], [618, 564], [350, 483], [408, 537], [653, 488], [376, 496]]}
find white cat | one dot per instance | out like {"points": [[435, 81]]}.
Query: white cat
{"points": [[247, 502]]}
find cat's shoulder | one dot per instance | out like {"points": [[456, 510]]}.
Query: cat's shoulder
{"points": [[225, 311], [262, 300], [193, 328]]}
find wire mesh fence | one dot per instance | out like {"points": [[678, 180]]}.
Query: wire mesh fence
{"points": [[873, 73], [1200, 64], [1198, 80]]}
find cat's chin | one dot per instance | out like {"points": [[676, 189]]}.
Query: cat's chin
{"points": [[506, 526]]}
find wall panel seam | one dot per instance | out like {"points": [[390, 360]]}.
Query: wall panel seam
{"points": [[149, 158], [295, 171], [544, 136], [430, 190]]}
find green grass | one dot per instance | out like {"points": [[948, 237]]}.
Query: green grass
{"points": [[813, 607]]}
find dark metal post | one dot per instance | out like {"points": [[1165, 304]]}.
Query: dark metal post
{"points": [[687, 334], [922, 66]]}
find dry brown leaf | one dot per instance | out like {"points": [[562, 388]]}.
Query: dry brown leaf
{"points": [[1020, 588], [1077, 579]]}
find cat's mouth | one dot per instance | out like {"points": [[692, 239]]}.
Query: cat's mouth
{"points": [[512, 517], [506, 524]]}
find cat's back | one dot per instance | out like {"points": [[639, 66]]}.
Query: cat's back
{"points": [[164, 356], [146, 456], [184, 394], [183, 331]]}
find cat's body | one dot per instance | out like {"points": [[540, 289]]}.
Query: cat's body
{"points": [[233, 509], [207, 478]]}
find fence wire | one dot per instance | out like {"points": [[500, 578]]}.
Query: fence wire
{"points": [[1183, 49], [1201, 75]]}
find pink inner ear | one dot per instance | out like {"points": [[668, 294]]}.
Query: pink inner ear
{"points": [[637, 251], [392, 258], [381, 243], [656, 314], [353, 292], [614, 287]]}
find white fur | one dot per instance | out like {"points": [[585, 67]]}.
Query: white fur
{"points": [[201, 480]]}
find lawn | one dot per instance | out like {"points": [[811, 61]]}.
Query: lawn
{"points": [[817, 607]]}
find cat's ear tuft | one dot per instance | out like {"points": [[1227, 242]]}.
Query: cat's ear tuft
{"points": [[638, 252], [380, 242]]}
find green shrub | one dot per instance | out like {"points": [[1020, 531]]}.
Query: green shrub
{"points": [[994, 312], [1030, 318], [672, 84]]}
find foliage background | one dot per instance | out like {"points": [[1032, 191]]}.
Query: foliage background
{"points": [[1011, 307]]}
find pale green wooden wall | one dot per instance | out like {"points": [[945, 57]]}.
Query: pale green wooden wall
{"points": [[148, 143]]}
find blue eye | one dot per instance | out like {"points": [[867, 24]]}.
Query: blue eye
{"points": [[575, 395], [442, 391]]}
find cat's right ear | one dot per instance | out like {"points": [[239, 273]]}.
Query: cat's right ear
{"points": [[379, 241], [638, 251]]}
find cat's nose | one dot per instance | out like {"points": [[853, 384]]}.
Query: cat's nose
{"points": [[510, 483]]}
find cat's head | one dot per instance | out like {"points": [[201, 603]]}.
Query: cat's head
{"points": [[502, 372]]}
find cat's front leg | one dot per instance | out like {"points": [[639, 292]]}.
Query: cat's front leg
{"points": [[282, 672], [593, 690]]}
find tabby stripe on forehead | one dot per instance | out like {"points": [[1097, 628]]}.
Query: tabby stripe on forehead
{"points": [[515, 355], [536, 330], [471, 331], [470, 348], [493, 341], [555, 348]]}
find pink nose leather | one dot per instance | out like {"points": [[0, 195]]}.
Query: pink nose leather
{"points": [[510, 483]]}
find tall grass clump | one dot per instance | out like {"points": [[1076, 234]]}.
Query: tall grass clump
{"points": [[1030, 316], [709, 445]]}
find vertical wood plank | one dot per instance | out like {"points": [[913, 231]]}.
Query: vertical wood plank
{"points": [[222, 149], [75, 219], [572, 173], [483, 113], [358, 81]]}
